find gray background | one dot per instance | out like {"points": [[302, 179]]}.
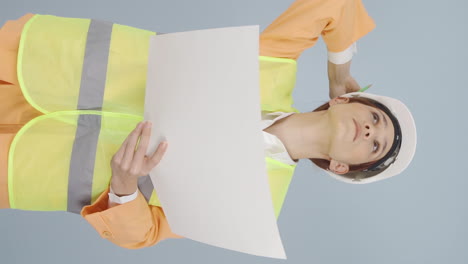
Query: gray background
{"points": [[417, 53]]}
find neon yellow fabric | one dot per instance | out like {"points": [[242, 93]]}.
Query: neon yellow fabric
{"points": [[49, 70], [277, 80], [40, 158], [50, 62]]}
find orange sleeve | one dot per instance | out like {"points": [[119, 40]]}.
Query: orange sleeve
{"points": [[339, 22], [10, 34], [130, 225]]}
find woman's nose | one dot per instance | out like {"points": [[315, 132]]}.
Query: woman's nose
{"points": [[368, 131]]}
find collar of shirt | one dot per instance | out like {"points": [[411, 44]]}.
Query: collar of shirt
{"points": [[273, 146]]}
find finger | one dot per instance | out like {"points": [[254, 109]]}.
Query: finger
{"points": [[131, 144], [157, 156], [142, 146], [118, 156]]}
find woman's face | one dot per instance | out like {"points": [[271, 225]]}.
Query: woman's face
{"points": [[360, 133]]}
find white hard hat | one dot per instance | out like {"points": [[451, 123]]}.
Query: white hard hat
{"points": [[402, 150]]}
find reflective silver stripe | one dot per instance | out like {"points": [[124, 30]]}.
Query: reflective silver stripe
{"points": [[80, 178], [93, 77], [93, 82], [146, 187]]}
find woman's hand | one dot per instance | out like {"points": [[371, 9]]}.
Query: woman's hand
{"points": [[340, 79], [130, 161]]}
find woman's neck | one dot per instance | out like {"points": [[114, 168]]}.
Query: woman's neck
{"points": [[305, 135]]}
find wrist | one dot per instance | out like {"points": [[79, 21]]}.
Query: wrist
{"points": [[124, 187], [338, 73]]}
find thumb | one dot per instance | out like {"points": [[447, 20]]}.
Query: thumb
{"points": [[154, 160]]}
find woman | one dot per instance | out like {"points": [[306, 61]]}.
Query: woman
{"points": [[358, 139]]}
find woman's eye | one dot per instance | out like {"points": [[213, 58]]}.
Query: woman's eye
{"points": [[376, 147], [375, 116]]}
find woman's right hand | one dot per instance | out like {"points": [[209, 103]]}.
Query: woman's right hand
{"points": [[340, 80], [130, 161]]}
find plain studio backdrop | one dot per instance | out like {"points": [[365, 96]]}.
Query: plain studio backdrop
{"points": [[417, 53]]}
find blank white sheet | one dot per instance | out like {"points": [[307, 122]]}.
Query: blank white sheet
{"points": [[203, 96]]}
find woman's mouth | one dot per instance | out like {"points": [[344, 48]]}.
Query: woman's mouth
{"points": [[357, 130]]}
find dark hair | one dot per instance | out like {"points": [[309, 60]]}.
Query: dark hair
{"points": [[354, 169]]}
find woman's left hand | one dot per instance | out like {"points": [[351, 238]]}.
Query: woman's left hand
{"points": [[130, 161]]}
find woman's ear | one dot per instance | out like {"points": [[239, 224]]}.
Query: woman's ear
{"points": [[338, 167], [338, 100]]}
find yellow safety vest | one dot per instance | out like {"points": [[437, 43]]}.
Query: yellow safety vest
{"points": [[88, 79]]}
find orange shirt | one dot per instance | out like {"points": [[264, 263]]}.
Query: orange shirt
{"points": [[136, 224], [15, 111]]}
